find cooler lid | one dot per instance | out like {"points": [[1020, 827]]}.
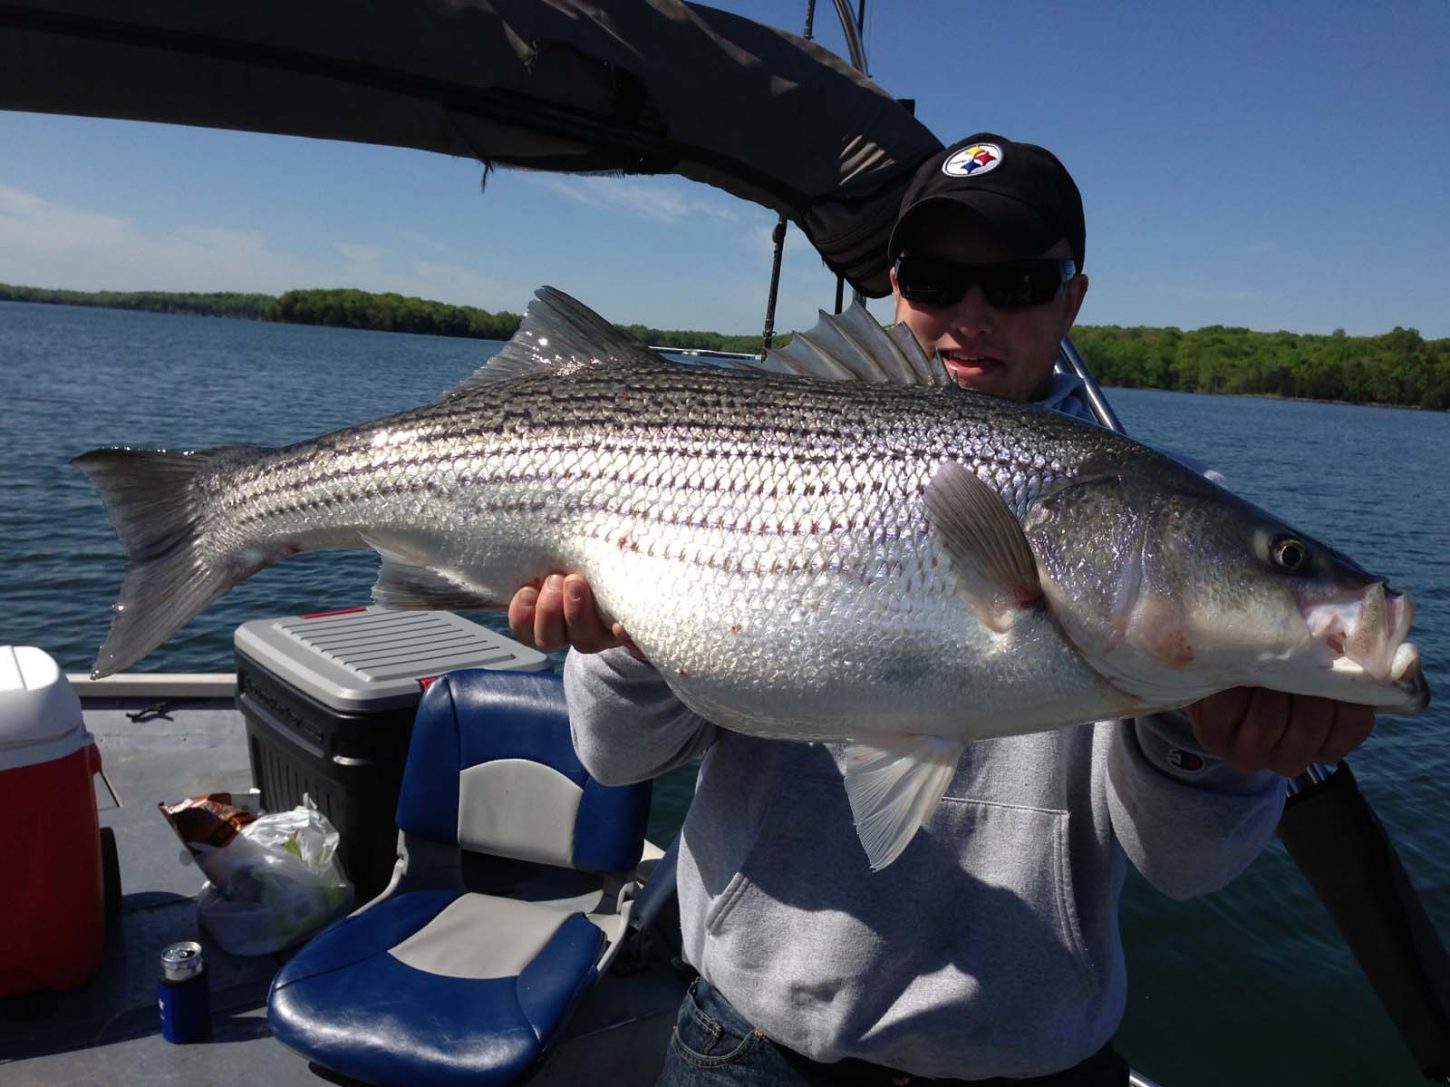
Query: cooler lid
{"points": [[40, 712], [363, 659]]}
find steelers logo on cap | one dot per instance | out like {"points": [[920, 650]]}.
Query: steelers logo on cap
{"points": [[980, 158]]}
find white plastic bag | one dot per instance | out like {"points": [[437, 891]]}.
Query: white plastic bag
{"points": [[274, 883]]}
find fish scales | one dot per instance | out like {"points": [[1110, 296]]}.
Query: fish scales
{"points": [[775, 489]]}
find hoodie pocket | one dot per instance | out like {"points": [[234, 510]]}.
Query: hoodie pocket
{"points": [[1021, 854], [983, 895]]}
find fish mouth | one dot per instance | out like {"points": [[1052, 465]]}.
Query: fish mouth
{"points": [[1365, 635]]}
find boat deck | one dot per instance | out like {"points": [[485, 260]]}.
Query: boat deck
{"points": [[155, 750]]}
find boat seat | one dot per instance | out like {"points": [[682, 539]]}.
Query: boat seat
{"points": [[510, 896]]}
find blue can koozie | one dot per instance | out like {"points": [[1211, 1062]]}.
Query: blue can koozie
{"points": [[183, 995]]}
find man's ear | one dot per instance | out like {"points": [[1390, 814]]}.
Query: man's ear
{"points": [[896, 301], [1077, 288]]}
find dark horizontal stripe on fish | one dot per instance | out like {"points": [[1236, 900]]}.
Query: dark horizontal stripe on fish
{"points": [[263, 482], [643, 509]]}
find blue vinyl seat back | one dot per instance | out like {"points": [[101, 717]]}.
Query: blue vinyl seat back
{"points": [[491, 768]]}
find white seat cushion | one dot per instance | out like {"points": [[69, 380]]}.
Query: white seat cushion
{"points": [[479, 937]]}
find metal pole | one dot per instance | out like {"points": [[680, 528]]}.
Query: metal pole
{"points": [[852, 28], [1070, 362], [768, 335]]}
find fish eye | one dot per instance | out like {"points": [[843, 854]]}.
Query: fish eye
{"points": [[1289, 554]]}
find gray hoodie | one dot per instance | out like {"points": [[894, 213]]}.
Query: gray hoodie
{"points": [[990, 947]]}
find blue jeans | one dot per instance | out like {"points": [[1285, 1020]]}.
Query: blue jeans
{"points": [[713, 1046]]}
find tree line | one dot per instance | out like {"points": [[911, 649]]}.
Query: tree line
{"points": [[1398, 367], [348, 308], [211, 304], [710, 341]]}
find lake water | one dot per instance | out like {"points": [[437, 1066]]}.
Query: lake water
{"points": [[1247, 986]]}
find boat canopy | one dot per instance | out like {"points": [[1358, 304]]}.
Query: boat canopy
{"points": [[610, 86]]}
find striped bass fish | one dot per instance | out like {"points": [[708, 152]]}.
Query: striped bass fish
{"points": [[836, 547]]}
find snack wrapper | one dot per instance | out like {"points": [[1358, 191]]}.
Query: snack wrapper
{"points": [[271, 879]]}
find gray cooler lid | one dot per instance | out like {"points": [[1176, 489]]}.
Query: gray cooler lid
{"points": [[373, 658]]}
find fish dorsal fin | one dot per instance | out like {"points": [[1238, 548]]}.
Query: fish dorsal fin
{"points": [[894, 784], [558, 335], [989, 552], [851, 346]]}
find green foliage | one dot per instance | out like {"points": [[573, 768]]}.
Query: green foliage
{"points": [[389, 313], [1399, 367], [213, 304], [1437, 398], [707, 341], [346, 308]]}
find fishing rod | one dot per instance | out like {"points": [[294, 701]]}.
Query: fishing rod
{"points": [[1339, 844]]}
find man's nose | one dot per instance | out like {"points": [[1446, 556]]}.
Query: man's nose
{"points": [[973, 313]]}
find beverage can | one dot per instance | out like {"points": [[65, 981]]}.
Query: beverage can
{"points": [[183, 994]]}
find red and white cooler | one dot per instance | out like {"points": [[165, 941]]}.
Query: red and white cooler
{"points": [[52, 893]]}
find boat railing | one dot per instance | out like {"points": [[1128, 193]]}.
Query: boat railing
{"points": [[169, 685]]}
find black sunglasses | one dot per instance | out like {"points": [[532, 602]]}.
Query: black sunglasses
{"points": [[1008, 284]]}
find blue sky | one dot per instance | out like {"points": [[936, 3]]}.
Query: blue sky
{"points": [[1277, 166]]}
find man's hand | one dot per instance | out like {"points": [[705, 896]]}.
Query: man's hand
{"points": [[560, 611], [1257, 729]]}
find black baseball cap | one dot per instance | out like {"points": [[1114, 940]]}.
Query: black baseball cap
{"points": [[1022, 192]]}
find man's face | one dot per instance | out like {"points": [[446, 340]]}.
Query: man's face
{"points": [[1002, 351]]}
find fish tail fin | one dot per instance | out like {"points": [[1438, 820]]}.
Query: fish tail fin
{"points": [[156, 506]]}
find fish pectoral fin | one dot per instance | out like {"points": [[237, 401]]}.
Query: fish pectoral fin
{"points": [[406, 582], [893, 785], [986, 545]]}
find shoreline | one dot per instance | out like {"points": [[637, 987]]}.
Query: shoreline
{"points": [[346, 307], [1415, 372]]}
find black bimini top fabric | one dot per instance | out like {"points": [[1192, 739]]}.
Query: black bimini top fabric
{"points": [[624, 86]]}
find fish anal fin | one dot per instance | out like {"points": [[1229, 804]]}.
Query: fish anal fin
{"points": [[986, 545], [893, 785], [406, 582]]}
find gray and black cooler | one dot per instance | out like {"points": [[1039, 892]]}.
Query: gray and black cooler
{"points": [[329, 700]]}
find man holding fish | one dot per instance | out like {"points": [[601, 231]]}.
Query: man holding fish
{"points": [[879, 607], [988, 950]]}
